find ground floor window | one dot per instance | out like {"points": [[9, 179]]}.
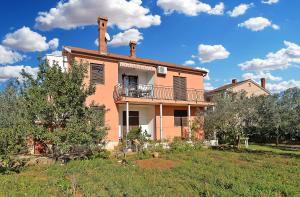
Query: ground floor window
{"points": [[180, 118], [133, 118]]}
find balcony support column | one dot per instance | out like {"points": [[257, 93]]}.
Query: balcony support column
{"points": [[161, 121], [189, 122], [127, 121]]}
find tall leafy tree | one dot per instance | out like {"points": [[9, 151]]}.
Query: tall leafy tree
{"points": [[227, 120], [273, 118], [56, 104], [13, 120]]}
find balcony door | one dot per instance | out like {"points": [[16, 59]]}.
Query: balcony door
{"points": [[129, 80], [130, 84], [179, 88]]}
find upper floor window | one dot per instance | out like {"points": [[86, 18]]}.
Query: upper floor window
{"points": [[97, 73], [179, 88]]}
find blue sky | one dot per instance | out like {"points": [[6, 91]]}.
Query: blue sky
{"points": [[231, 38]]}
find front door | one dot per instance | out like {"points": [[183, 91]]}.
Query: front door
{"points": [[134, 121], [181, 120]]}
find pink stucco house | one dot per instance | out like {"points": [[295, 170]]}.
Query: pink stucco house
{"points": [[162, 98]]}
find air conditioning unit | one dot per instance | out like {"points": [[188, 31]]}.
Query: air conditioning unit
{"points": [[162, 70]]}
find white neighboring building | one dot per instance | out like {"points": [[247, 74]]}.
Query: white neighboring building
{"points": [[56, 58]]}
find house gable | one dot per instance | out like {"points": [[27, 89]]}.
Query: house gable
{"points": [[250, 87]]}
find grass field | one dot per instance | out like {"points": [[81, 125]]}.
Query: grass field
{"points": [[261, 171]]}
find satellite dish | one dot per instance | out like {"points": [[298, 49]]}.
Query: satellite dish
{"points": [[107, 37]]}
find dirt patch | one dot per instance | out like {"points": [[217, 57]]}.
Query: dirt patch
{"points": [[240, 161], [216, 157], [156, 163], [36, 175]]}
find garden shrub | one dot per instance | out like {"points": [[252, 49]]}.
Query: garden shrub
{"points": [[102, 154], [179, 145], [10, 165], [156, 146], [137, 138]]}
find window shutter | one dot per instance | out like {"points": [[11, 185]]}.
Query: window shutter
{"points": [[97, 74], [179, 88]]}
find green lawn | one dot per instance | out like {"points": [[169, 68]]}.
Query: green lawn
{"points": [[280, 149], [262, 171]]}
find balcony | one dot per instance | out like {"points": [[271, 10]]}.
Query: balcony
{"points": [[151, 93]]}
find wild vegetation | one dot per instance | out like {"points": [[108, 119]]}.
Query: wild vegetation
{"points": [[51, 110], [259, 171], [263, 119]]}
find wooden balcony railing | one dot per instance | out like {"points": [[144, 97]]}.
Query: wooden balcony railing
{"points": [[148, 91]]}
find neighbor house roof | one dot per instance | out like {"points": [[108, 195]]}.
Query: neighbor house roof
{"points": [[228, 86], [95, 53]]}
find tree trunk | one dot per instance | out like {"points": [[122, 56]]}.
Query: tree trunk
{"points": [[277, 140], [277, 137], [238, 141]]}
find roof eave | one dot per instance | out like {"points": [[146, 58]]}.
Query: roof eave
{"points": [[70, 49]]}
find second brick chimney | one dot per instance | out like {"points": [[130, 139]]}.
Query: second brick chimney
{"points": [[132, 45], [102, 42], [263, 82]]}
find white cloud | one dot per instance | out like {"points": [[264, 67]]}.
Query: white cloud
{"points": [[77, 13], [26, 40], [53, 44], [56, 53], [8, 72], [276, 27], [270, 1], [190, 7], [205, 69], [240, 10], [194, 56], [7, 56], [208, 86], [260, 75], [284, 85], [209, 53], [189, 62], [123, 38], [96, 42], [218, 9], [281, 59], [258, 24]]}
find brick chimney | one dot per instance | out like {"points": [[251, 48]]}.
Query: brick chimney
{"points": [[132, 45], [234, 81], [263, 82], [102, 42]]}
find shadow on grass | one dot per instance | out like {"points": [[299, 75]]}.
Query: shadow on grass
{"points": [[255, 151], [285, 147], [4, 170]]}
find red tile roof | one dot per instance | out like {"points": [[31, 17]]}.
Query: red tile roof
{"points": [[133, 59], [227, 86]]}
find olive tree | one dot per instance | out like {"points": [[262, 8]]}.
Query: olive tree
{"points": [[55, 102], [227, 119], [13, 120]]}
